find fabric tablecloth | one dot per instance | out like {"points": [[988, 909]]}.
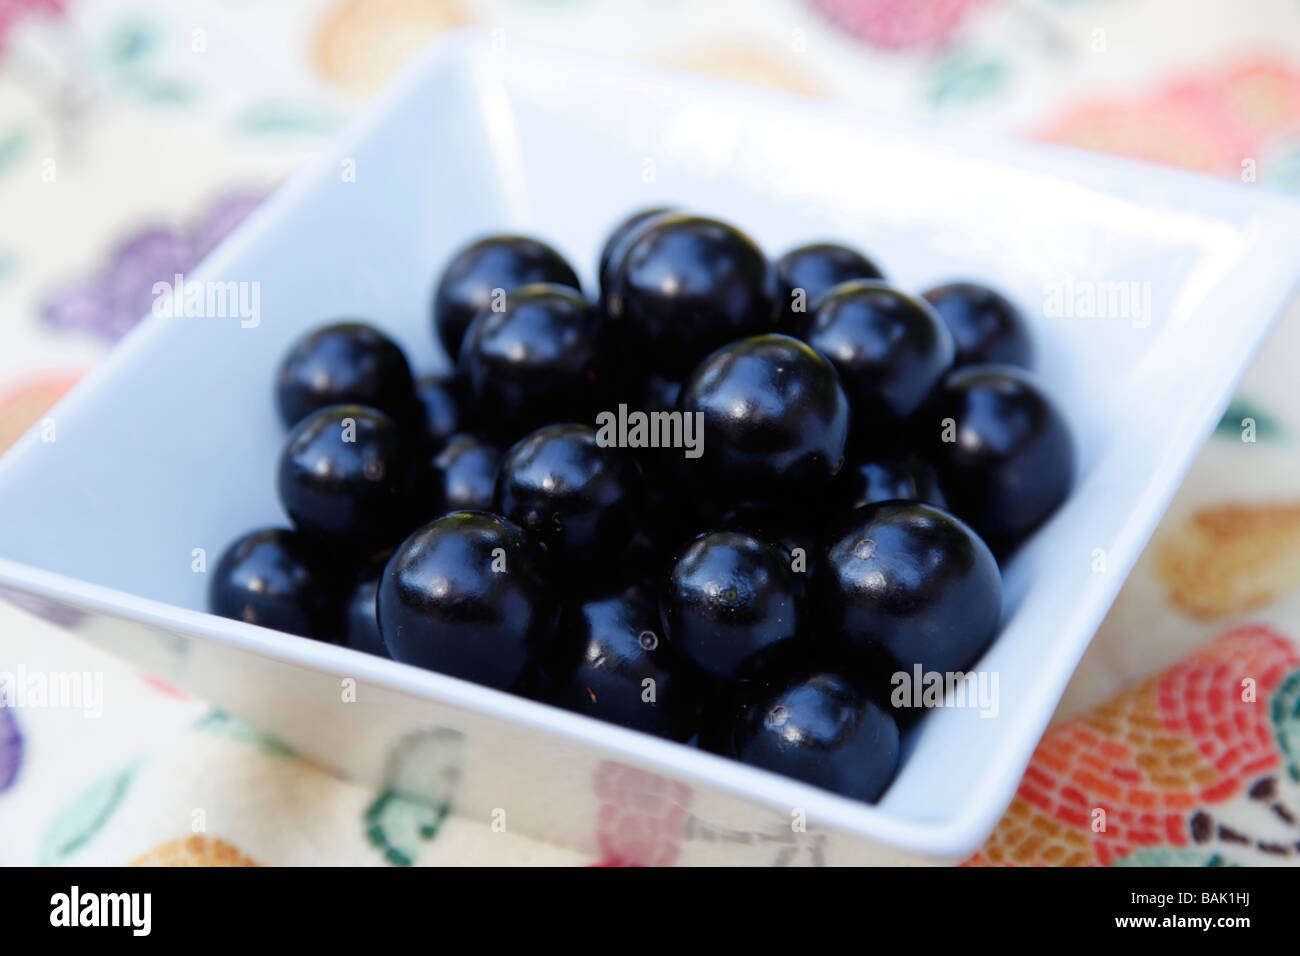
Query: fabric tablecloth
{"points": [[164, 124]]}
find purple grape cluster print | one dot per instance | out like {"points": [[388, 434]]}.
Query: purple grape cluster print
{"points": [[11, 745], [109, 304]]}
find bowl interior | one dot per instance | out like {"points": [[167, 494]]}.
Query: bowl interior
{"points": [[173, 445]]}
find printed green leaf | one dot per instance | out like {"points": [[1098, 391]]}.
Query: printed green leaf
{"points": [[1283, 169], [1284, 710], [13, 145], [1230, 425], [272, 118], [1173, 856], [964, 77], [157, 90], [224, 724], [128, 43], [77, 822], [420, 784], [398, 826]]}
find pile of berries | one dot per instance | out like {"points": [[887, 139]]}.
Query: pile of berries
{"points": [[722, 504]]}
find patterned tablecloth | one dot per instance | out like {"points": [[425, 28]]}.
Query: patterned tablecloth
{"points": [[162, 125]]}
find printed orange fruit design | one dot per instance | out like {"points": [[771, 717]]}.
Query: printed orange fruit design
{"points": [[22, 405], [197, 850], [1213, 121], [1263, 95], [1231, 558], [743, 64], [1139, 771], [361, 43]]}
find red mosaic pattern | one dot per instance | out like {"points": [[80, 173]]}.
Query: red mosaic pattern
{"points": [[1195, 736]]}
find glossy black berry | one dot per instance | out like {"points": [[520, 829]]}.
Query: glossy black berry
{"points": [[345, 474], [465, 595], [463, 476], [893, 479], [582, 500], [273, 578], [361, 613], [891, 351], [775, 422], [820, 730], [483, 271], [985, 325], [617, 243], [440, 402], [686, 286], [913, 581], [805, 274], [796, 531], [348, 362], [1010, 461], [616, 665], [732, 604], [538, 360]]}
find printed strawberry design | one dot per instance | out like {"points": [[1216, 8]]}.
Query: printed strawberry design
{"points": [[14, 11], [899, 24], [641, 816]]}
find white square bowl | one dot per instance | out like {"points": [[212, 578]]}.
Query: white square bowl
{"points": [[170, 445]]}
